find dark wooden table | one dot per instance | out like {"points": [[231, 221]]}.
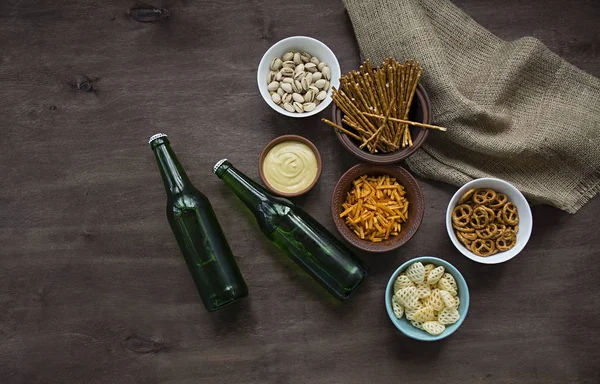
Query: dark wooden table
{"points": [[92, 286]]}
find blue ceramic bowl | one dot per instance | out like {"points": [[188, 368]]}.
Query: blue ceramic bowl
{"points": [[404, 325]]}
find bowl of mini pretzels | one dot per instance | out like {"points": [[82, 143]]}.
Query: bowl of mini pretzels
{"points": [[489, 221]]}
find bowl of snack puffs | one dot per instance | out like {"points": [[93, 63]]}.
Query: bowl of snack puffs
{"points": [[427, 298], [489, 220], [377, 208]]}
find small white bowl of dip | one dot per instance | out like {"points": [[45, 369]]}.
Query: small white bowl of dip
{"points": [[290, 165]]}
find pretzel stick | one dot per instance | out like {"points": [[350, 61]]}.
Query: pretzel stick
{"points": [[378, 132], [348, 121], [341, 129], [421, 125]]}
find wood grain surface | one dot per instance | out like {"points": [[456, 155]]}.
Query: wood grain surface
{"points": [[92, 286]]}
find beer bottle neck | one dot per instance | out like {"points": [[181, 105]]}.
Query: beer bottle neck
{"points": [[244, 187], [173, 175]]}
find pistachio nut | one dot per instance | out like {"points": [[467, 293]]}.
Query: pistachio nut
{"points": [[289, 55], [305, 84], [309, 107], [320, 83], [273, 85], [286, 98], [321, 95], [298, 107], [299, 75], [287, 72], [297, 59], [314, 60], [278, 76], [321, 65], [309, 77], [276, 98], [305, 57], [298, 97], [326, 87], [288, 64], [288, 107], [299, 68], [276, 64], [317, 76], [314, 89], [309, 96], [297, 86], [287, 87], [271, 76], [310, 67], [326, 72], [287, 80], [280, 92]]}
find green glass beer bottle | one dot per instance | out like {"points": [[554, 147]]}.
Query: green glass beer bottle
{"points": [[291, 229], [198, 233]]}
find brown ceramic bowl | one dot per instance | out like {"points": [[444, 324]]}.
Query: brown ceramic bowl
{"points": [[281, 139], [420, 112], [414, 195]]}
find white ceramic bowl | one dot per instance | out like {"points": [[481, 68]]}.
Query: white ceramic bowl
{"points": [[302, 44], [525, 219]]}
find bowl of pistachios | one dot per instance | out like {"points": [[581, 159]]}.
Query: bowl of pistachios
{"points": [[296, 74]]}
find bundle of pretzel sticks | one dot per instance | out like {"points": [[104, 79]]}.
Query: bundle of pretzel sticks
{"points": [[376, 103]]}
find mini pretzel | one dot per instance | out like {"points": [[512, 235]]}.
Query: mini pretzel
{"points": [[500, 230], [470, 236], [488, 232], [498, 219], [516, 229], [499, 201], [506, 241], [490, 212], [510, 214], [482, 247], [466, 242], [484, 196], [467, 196], [479, 218], [464, 229], [461, 215]]}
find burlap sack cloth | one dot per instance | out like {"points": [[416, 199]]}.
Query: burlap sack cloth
{"points": [[514, 110]]}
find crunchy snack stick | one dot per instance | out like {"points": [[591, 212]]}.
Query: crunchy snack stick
{"points": [[375, 207]]}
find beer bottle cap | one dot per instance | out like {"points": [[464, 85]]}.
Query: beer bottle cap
{"points": [[218, 165], [157, 136]]}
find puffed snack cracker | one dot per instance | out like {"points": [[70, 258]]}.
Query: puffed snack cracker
{"points": [[416, 272], [433, 327], [435, 275], [402, 282]]}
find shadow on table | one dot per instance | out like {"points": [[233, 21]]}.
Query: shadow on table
{"points": [[382, 263], [234, 318], [482, 275], [408, 349]]}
